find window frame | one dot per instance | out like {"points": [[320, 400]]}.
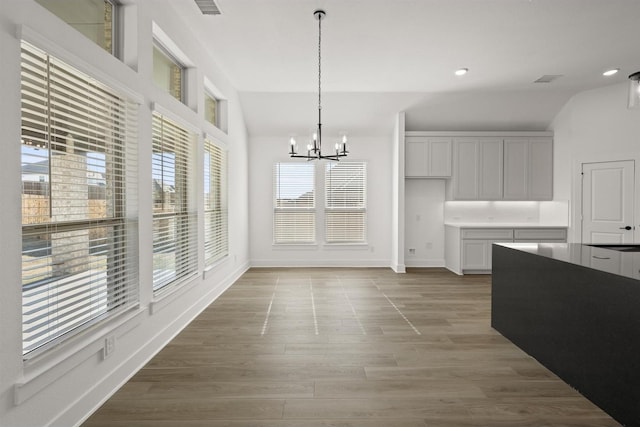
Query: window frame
{"points": [[355, 206], [116, 36], [307, 213], [216, 235], [185, 217], [170, 57], [116, 131], [216, 109]]}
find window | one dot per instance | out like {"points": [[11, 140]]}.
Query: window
{"points": [[346, 201], [211, 109], [168, 73], [294, 217], [79, 213], [95, 19], [216, 244], [174, 216]]}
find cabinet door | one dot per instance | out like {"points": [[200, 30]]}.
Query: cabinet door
{"points": [[541, 169], [465, 183], [490, 169], [439, 157], [475, 254], [516, 169], [415, 151]]}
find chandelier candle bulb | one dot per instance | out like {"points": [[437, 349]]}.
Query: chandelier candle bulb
{"points": [[293, 146]]}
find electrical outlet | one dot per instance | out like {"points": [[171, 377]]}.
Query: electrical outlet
{"points": [[109, 346], [412, 251]]}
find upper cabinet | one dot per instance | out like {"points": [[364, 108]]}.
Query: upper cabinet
{"points": [[427, 157], [495, 166], [477, 165], [484, 165], [528, 168]]}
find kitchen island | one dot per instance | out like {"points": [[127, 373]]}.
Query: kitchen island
{"points": [[576, 309]]}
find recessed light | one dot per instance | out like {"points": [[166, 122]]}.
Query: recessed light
{"points": [[611, 72], [461, 71]]}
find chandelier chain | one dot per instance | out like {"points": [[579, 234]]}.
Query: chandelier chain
{"points": [[319, 63]]}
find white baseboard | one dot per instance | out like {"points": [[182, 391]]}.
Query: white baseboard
{"points": [[354, 263], [434, 262]]}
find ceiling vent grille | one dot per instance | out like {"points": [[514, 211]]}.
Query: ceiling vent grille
{"points": [[208, 7], [548, 78]]}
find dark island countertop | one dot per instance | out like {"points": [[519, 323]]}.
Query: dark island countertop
{"points": [[622, 260]]}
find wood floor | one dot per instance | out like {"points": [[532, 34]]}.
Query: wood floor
{"points": [[346, 347]]}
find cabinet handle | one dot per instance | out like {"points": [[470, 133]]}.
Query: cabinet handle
{"points": [[628, 227], [601, 257]]}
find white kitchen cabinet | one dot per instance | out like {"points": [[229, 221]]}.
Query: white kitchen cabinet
{"points": [[528, 168], [540, 235], [469, 249], [476, 254], [476, 246], [477, 168], [427, 157]]}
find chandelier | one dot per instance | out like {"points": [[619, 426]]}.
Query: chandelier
{"points": [[314, 147]]}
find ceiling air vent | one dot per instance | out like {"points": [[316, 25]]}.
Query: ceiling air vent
{"points": [[208, 7], [548, 78]]}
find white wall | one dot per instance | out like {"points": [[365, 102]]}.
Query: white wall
{"points": [[65, 384], [424, 222], [376, 151], [594, 126]]}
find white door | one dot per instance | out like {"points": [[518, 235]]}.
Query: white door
{"points": [[607, 202]]}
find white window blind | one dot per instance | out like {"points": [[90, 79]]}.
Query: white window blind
{"points": [[79, 201], [346, 202], [216, 241], [294, 217], [174, 215]]}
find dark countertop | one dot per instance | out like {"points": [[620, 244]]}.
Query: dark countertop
{"points": [[626, 264]]}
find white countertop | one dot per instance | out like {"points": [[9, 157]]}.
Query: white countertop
{"points": [[502, 225]]}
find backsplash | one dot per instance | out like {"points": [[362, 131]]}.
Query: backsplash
{"points": [[548, 213]]}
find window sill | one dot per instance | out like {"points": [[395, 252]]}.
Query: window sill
{"points": [[296, 246], [360, 246]]}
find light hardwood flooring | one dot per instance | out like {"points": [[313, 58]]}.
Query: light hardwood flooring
{"points": [[346, 347]]}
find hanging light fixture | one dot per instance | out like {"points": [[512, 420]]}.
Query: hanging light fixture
{"points": [[634, 90], [314, 147]]}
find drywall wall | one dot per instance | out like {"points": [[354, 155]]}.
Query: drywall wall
{"points": [[594, 126], [265, 152], [63, 385]]}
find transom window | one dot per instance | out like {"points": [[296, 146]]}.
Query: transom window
{"points": [[79, 210], [95, 19], [168, 73], [211, 109]]}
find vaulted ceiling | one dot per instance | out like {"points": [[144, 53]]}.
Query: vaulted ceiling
{"points": [[384, 56]]}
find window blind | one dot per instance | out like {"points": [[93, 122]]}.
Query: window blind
{"points": [[346, 201], [79, 201], [216, 241], [174, 216], [294, 218]]}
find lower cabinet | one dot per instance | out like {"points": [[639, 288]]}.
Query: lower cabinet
{"points": [[468, 250], [476, 246]]}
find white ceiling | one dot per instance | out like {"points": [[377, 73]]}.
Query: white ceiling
{"points": [[385, 56]]}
